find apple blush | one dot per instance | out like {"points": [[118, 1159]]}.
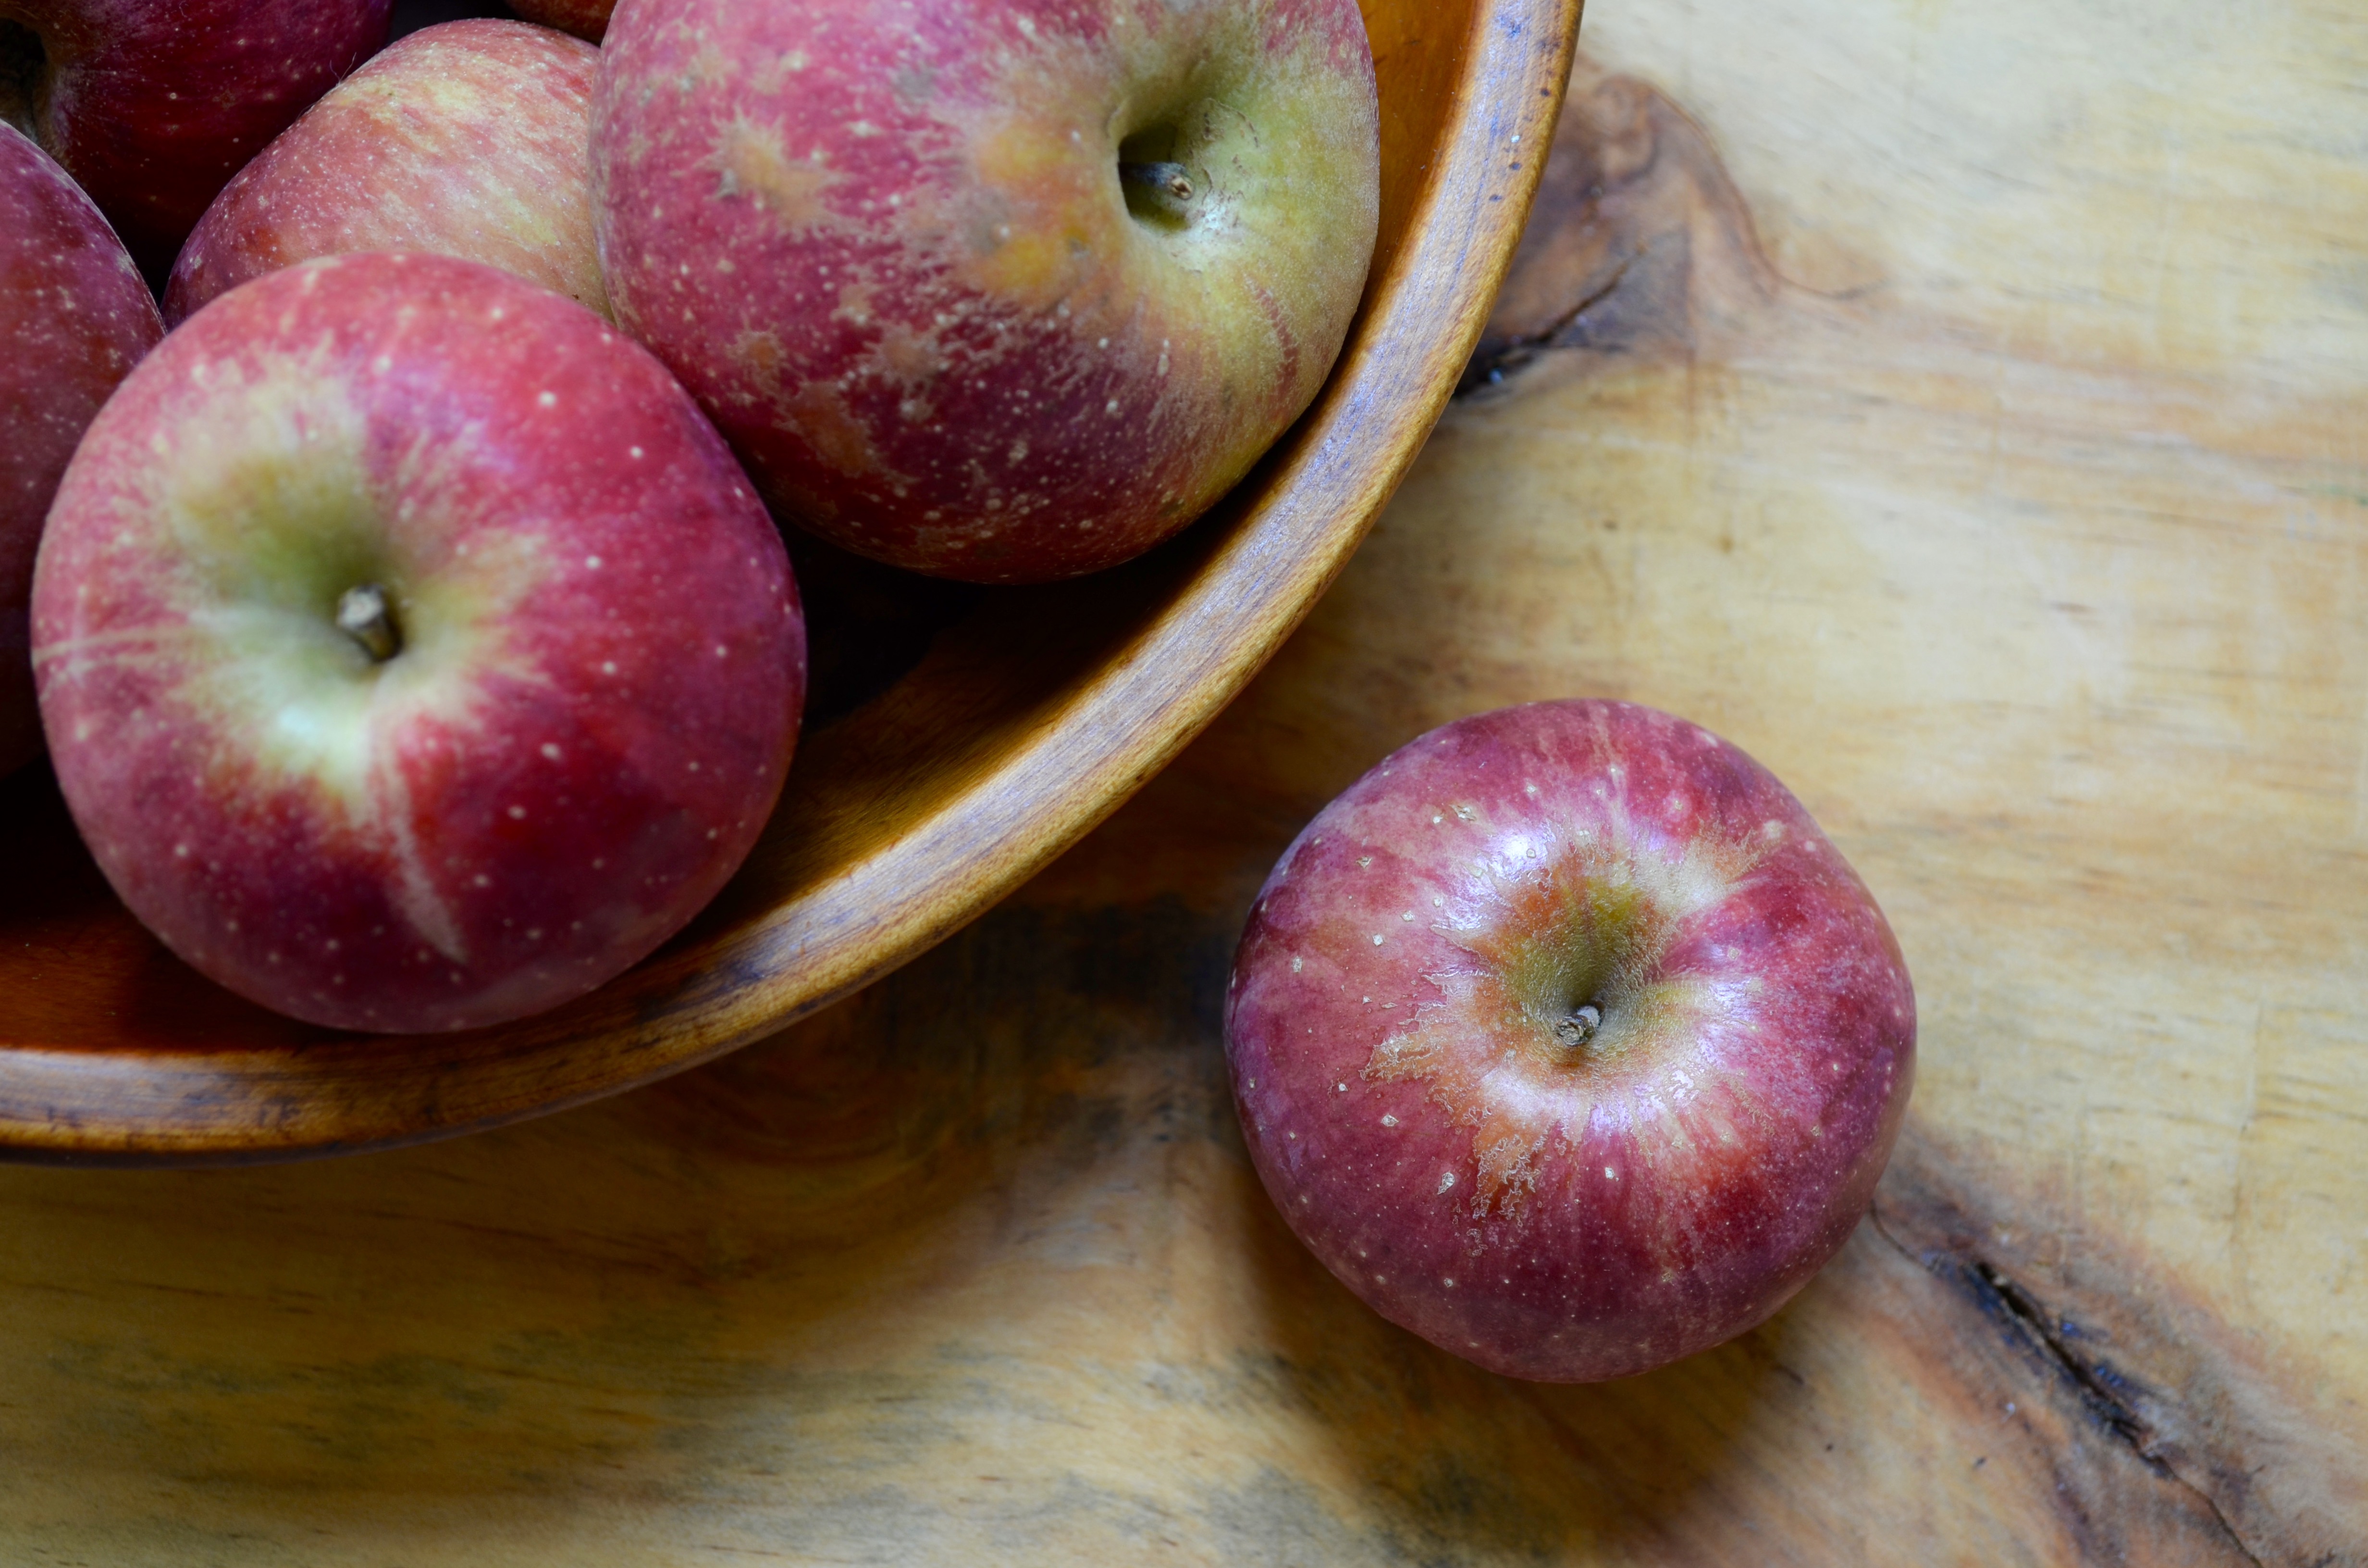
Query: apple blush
{"points": [[1566, 1040], [151, 108], [466, 139], [412, 653], [992, 291], [74, 318]]}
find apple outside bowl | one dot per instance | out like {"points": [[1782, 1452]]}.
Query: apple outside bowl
{"points": [[1010, 731]]}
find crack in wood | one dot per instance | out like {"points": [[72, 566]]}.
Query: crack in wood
{"points": [[1639, 244], [2108, 1395], [1493, 360]]}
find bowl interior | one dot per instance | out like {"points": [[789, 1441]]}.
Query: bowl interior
{"points": [[958, 739]]}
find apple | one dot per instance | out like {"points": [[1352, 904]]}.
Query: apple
{"points": [[998, 291], [413, 654], [587, 20], [1566, 1040], [74, 318], [467, 138], [151, 108]]}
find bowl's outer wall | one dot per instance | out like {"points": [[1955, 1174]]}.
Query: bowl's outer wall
{"points": [[1023, 727]]}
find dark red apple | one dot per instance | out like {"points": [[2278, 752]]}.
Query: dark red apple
{"points": [[1567, 1040], [996, 291], [412, 653], [587, 19], [470, 139], [75, 317], [153, 107]]}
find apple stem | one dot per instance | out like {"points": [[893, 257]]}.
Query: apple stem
{"points": [[1171, 179], [364, 615], [1580, 1026]]}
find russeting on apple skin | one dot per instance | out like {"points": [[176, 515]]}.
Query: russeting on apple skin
{"points": [[75, 317], [1004, 290], [1566, 1040], [412, 653], [469, 138], [152, 107]]}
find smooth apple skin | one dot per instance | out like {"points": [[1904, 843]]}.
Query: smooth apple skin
{"points": [[602, 659], [587, 19], [1553, 1212], [470, 139], [153, 107], [887, 246], [74, 318]]}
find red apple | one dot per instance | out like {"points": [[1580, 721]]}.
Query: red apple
{"points": [[413, 654], [151, 108], [586, 18], [996, 291], [467, 139], [74, 318], [1567, 1041]]}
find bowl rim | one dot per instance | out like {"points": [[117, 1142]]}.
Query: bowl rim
{"points": [[1251, 592]]}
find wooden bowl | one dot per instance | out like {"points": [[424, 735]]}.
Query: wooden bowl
{"points": [[1011, 721]]}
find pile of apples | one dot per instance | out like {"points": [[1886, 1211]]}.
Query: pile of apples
{"points": [[416, 648], [409, 624]]}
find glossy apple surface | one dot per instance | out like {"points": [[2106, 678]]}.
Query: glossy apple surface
{"points": [[889, 246], [554, 747], [151, 108], [469, 138], [1567, 1041], [75, 317]]}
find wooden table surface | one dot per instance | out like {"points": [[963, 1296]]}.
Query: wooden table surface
{"points": [[1959, 407]]}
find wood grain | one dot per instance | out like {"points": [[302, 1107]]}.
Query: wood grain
{"points": [[1025, 723], [1971, 435]]}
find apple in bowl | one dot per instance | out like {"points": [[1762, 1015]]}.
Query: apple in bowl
{"points": [[75, 317], [1568, 1040], [153, 107], [998, 292], [587, 19], [413, 654], [466, 139]]}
